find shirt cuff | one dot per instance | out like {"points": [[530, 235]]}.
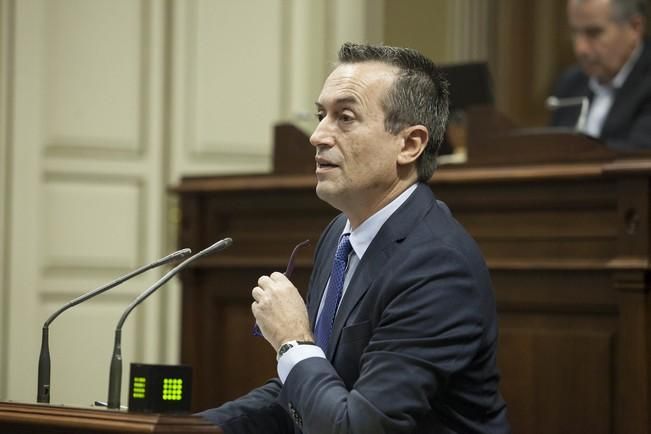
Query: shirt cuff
{"points": [[294, 355]]}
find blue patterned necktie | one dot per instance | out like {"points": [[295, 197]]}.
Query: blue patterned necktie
{"points": [[333, 293]]}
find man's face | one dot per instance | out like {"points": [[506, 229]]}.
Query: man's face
{"points": [[356, 164], [602, 44]]}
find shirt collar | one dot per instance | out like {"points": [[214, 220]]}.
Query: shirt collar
{"points": [[362, 236], [621, 76]]}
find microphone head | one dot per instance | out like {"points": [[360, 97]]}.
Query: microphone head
{"points": [[175, 256], [551, 102], [554, 102], [182, 253], [216, 247], [219, 245]]}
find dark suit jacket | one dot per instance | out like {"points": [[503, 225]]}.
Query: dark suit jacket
{"points": [[413, 349], [628, 124]]}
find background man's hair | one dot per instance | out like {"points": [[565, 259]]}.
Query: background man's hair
{"points": [[624, 10], [419, 95]]}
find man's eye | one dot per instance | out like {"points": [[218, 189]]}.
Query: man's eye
{"points": [[319, 116], [346, 117], [588, 32], [593, 32]]}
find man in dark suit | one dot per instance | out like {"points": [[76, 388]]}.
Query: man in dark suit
{"points": [[613, 72], [399, 334]]}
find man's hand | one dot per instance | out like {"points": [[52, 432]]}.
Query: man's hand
{"points": [[280, 311]]}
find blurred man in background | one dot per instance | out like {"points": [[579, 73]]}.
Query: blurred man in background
{"points": [[613, 72]]}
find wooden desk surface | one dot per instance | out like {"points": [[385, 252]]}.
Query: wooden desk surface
{"points": [[18, 418]]}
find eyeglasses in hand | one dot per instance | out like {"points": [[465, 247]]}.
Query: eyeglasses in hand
{"points": [[288, 273]]}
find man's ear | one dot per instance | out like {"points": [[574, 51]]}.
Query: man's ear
{"points": [[414, 141], [638, 24]]}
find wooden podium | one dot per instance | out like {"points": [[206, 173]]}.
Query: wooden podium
{"points": [[17, 418], [564, 226]]}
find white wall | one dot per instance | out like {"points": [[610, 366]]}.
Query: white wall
{"points": [[4, 200], [103, 105]]}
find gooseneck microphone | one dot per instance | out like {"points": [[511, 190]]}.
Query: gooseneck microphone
{"points": [[115, 373], [44, 389], [553, 103]]}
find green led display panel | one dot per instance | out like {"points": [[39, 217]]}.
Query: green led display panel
{"points": [[160, 388], [139, 387], [172, 389]]}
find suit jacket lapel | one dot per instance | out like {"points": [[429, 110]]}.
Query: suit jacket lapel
{"points": [[394, 230], [323, 266], [357, 287]]}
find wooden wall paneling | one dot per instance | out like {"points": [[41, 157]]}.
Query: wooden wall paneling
{"points": [[530, 47], [511, 65], [538, 223], [633, 219], [632, 372], [548, 243], [557, 349], [633, 387]]}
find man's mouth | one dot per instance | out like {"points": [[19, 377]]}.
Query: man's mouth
{"points": [[588, 63], [323, 164]]}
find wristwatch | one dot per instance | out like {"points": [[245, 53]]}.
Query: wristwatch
{"points": [[291, 344]]}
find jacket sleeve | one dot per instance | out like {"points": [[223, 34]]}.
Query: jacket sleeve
{"points": [[253, 413]]}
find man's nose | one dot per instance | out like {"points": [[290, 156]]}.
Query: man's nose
{"points": [[322, 135], [581, 45]]}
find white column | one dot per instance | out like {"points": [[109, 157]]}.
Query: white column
{"points": [[468, 39], [304, 38], [5, 89]]}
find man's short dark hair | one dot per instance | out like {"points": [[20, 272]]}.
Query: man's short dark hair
{"points": [[624, 10], [418, 96]]}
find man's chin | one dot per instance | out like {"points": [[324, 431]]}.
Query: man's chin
{"points": [[323, 191], [595, 72], [327, 192]]}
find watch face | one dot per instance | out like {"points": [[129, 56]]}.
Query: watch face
{"points": [[284, 348]]}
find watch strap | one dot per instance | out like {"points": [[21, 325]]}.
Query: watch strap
{"points": [[291, 344]]}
